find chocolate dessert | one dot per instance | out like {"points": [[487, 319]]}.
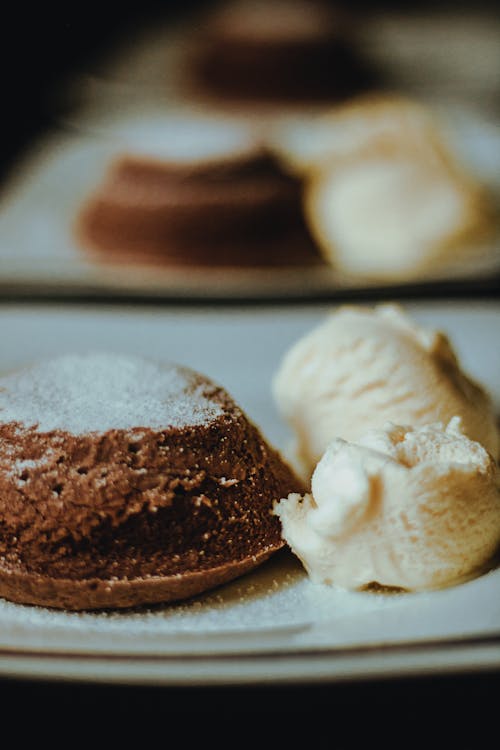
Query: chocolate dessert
{"points": [[126, 482], [288, 50], [241, 210]]}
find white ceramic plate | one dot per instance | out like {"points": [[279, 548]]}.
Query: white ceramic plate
{"points": [[39, 253], [272, 624]]}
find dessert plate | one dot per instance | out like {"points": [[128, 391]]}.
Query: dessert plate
{"points": [[143, 78], [40, 256], [272, 624]]}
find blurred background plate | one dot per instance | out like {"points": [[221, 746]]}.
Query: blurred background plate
{"points": [[39, 255], [448, 57], [272, 624]]}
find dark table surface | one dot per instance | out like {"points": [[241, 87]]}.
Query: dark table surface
{"points": [[457, 711]]}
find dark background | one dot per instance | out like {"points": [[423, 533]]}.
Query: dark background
{"points": [[42, 45], [431, 713]]}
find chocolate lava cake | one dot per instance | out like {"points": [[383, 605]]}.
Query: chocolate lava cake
{"points": [[195, 194], [302, 51], [126, 482]]}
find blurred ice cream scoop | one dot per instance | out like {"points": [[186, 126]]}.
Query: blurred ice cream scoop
{"points": [[393, 213], [387, 196], [361, 368], [413, 508], [305, 144]]}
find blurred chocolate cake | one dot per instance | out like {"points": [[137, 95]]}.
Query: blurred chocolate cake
{"points": [[199, 193], [288, 50]]}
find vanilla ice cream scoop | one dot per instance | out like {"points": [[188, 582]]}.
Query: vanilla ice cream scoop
{"points": [[394, 214], [306, 143], [361, 368], [412, 508], [387, 194]]}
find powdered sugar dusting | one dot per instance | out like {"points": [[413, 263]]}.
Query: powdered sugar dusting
{"points": [[96, 392], [21, 467]]}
